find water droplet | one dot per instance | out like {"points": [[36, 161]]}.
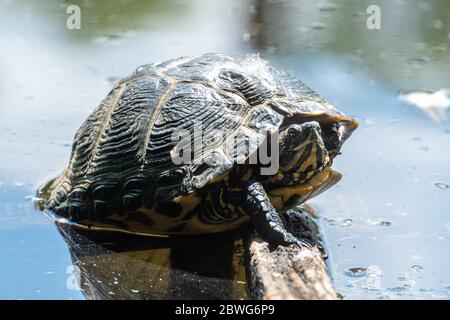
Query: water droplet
{"points": [[385, 223], [410, 284], [442, 185], [318, 26], [356, 272], [114, 39], [416, 62], [417, 268], [397, 289], [134, 291], [346, 223]]}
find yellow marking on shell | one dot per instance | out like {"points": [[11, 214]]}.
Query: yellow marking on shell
{"points": [[211, 195], [232, 207], [192, 226], [105, 228], [162, 222], [222, 203], [188, 202], [324, 117], [196, 226]]}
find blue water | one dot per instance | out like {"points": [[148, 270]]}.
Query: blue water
{"points": [[389, 215]]}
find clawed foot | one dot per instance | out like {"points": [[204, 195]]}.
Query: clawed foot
{"points": [[291, 239], [277, 229], [301, 243]]}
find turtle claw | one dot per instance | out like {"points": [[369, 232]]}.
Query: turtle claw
{"points": [[290, 239], [323, 251]]}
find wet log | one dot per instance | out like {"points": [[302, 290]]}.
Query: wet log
{"points": [[288, 272]]}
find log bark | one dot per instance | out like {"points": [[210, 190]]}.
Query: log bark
{"points": [[287, 272]]}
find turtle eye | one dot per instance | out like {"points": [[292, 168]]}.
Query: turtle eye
{"points": [[292, 132]]}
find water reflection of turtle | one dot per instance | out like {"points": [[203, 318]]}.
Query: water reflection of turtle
{"points": [[125, 171], [121, 266]]}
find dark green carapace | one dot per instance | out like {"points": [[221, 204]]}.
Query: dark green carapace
{"points": [[122, 174]]}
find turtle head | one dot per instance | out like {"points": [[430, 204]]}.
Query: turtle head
{"points": [[302, 148], [306, 153], [312, 145]]}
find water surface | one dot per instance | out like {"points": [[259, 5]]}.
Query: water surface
{"points": [[386, 223]]}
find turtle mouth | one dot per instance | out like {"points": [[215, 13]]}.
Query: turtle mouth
{"points": [[290, 196], [320, 182]]}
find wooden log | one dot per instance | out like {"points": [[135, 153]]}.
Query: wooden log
{"points": [[288, 272]]}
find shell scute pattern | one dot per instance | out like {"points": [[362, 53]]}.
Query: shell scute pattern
{"points": [[202, 68], [121, 158], [253, 90]]}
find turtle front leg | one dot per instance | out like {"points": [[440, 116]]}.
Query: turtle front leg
{"points": [[265, 218]]}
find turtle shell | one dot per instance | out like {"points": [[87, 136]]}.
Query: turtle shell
{"points": [[122, 156]]}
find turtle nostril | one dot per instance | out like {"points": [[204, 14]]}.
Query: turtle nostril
{"points": [[312, 127]]}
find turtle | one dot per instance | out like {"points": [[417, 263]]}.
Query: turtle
{"points": [[176, 148]]}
